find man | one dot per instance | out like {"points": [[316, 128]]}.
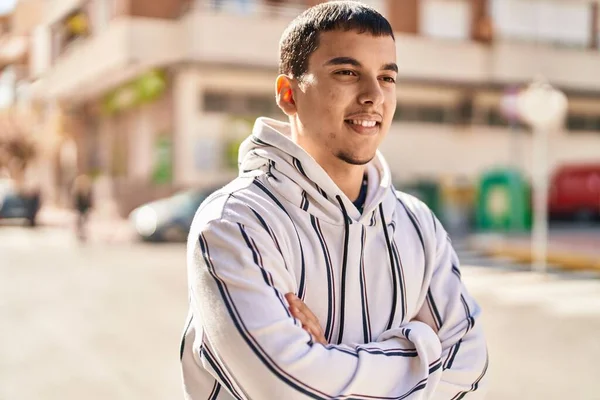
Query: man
{"points": [[309, 276]]}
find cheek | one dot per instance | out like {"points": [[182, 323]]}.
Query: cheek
{"points": [[390, 109]]}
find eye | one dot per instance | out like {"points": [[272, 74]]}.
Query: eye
{"points": [[389, 79], [346, 72]]}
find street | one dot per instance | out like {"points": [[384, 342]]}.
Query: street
{"points": [[103, 321]]}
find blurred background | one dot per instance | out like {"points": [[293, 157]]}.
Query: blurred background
{"points": [[118, 117]]}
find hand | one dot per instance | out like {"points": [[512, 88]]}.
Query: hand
{"points": [[310, 323]]}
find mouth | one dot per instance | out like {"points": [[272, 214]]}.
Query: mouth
{"points": [[364, 127]]}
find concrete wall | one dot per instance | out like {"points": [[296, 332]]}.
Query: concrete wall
{"points": [[419, 57], [431, 150], [412, 149]]}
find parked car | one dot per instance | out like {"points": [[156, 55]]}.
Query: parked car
{"points": [[15, 204], [575, 192], [168, 219]]}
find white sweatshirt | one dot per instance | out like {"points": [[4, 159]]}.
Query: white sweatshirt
{"points": [[385, 286]]}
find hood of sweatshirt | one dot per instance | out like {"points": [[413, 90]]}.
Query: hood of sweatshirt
{"points": [[298, 178]]}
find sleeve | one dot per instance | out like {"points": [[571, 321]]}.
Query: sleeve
{"points": [[455, 316], [258, 350]]}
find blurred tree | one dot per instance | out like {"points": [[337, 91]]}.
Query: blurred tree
{"points": [[18, 149]]}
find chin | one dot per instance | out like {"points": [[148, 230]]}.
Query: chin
{"points": [[355, 160]]}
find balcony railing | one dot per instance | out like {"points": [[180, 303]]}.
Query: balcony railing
{"points": [[249, 7]]}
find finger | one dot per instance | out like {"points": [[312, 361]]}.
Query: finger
{"points": [[304, 308], [315, 336], [296, 313], [321, 339], [309, 326], [311, 329], [304, 320], [301, 311], [312, 324], [309, 313]]}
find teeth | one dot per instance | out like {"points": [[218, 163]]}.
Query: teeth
{"points": [[366, 124]]}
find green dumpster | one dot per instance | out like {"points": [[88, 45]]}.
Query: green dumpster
{"points": [[428, 191], [503, 202]]}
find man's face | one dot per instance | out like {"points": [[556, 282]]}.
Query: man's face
{"points": [[346, 100]]}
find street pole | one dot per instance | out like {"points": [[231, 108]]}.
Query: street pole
{"points": [[509, 109], [544, 109], [540, 200]]}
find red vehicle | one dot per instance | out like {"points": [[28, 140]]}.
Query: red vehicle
{"points": [[575, 192]]}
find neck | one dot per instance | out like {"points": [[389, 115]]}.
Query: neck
{"points": [[349, 179], [346, 176]]}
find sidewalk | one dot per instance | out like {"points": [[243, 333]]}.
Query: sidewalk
{"points": [[101, 226], [571, 250]]}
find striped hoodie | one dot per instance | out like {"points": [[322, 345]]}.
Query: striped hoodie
{"points": [[385, 286]]}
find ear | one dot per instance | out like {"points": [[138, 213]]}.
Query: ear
{"points": [[285, 95]]}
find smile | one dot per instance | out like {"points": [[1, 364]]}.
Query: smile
{"points": [[363, 127], [365, 123]]}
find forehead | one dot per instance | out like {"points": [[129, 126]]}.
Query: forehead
{"points": [[364, 47]]}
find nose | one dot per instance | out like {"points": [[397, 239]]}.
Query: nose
{"points": [[371, 92]]}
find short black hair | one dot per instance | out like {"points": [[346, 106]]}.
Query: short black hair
{"points": [[301, 37]]}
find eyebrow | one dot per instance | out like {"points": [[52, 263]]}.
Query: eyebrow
{"points": [[354, 62]]}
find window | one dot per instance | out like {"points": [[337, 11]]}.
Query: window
{"points": [[495, 118], [445, 19], [241, 104], [583, 123], [260, 105], [576, 123], [419, 113], [216, 102], [432, 114], [565, 23]]}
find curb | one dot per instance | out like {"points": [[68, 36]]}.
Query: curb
{"points": [[100, 227]]}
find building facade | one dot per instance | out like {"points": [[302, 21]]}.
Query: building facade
{"points": [[158, 94]]}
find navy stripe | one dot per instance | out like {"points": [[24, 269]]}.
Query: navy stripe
{"points": [[321, 191], [456, 271], [330, 280], [211, 359], [258, 141], [299, 167], [302, 287], [452, 355], [305, 202], [215, 391], [470, 325], [434, 309], [434, 366], [239, 324], [386, 352], [271, 195], [257, 257], [182, 345], [363, 292], [470, 318], [392, 267], [415, 223], [265, 358], [401, 279], [406, 333], [372, 223], [475, 384], [389, 352], [272, 234], [343, 278]]}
